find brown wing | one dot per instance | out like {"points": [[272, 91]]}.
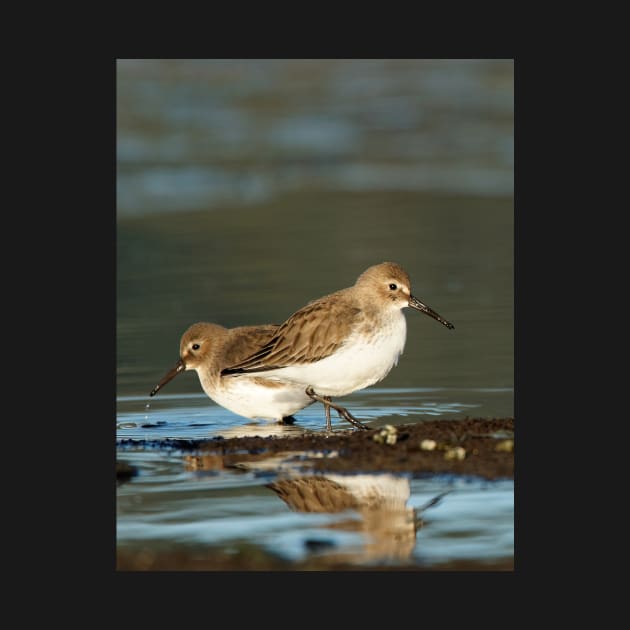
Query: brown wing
{"points": [[313, 494], [310, 334], [245, 340]]}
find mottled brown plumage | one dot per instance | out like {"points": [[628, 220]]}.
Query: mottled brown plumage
{"points": [[311, 334], [342, 342], [317, 330]]}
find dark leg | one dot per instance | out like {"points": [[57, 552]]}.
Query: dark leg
{"points": [[327, 412], [342, 411]]}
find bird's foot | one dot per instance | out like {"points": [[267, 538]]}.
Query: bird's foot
{"points": [[341, 411]]}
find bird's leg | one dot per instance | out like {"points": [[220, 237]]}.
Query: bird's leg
{"points": [[327, 412], [342, 411], [346, 415], [325, 400]]}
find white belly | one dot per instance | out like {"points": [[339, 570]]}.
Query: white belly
{"points": [[243, 396], [361, 362]]}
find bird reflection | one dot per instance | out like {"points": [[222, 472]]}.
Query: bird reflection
{"points": [[376, 504], [379, 500]]}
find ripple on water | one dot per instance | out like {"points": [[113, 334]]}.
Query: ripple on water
{"points": [[194, 416]]}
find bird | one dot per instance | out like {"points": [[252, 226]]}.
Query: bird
{"points": [[207, 347], [342, 342]]}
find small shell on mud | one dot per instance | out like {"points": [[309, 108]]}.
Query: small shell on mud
{"points": [[456, 452], [428, 445], [388, 435]]}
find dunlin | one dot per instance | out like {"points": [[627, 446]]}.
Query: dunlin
{"points": [[342, 342], [207, 348]]}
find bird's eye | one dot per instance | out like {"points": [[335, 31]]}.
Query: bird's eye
{"points": [[392, 286], [195, 346]]}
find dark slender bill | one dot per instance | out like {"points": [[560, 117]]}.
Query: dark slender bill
{"points": [[423, 308], [170, 375]]}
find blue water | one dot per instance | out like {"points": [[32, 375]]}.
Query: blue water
{"points": [[195, 416], [171, 503]]}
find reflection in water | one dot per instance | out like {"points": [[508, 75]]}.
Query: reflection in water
{"points": [[255, 429], [210, 461], [380, 501], [376, 504]]}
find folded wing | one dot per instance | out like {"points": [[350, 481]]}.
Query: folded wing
{"points": [[310, 334]]}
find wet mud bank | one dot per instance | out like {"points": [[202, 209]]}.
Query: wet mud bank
{"points": [[473, 446]]}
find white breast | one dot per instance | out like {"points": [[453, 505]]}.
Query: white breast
{"points": [[247, 397], [362, 361]]}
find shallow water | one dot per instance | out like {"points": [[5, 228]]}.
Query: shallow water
{"points": [[170, 505], [246, 190], [194, 416]]}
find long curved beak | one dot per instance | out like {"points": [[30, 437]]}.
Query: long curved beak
{"points": [[423, 308], [180, 366]]}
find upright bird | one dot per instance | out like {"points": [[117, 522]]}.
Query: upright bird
{"points": [[341, 342]]}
